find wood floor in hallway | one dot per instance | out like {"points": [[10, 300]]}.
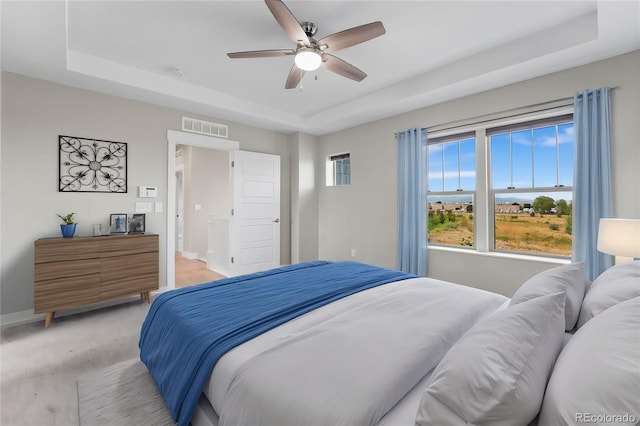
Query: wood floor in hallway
{"points": [[191, 272]]}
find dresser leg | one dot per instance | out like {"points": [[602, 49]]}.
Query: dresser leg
{"points": [[47, 321], [146, 295]]}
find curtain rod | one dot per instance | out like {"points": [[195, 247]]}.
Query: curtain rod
{"points": [[482, 118]]}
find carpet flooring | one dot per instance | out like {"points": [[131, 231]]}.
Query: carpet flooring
{"points": [[122, 394], [39, 367]]}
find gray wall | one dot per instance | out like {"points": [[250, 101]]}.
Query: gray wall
{"points": [[363, 215], [34, 113], [304, 197]]}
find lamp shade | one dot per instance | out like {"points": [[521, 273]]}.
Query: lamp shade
{"points": [[308, 59], [620, 237]]}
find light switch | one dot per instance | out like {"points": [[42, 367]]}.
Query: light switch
{"points": [[197, 207], [158, 207]]}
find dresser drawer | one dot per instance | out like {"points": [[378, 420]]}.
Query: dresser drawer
{"points": [[130, 244], [72, 268], [65, 293], [121, 268], [128, 286], [64, 249]]}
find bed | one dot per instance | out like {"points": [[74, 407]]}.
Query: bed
{"points": [[357, 344]]}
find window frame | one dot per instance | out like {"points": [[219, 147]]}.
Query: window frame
{"points": [[484, 195], [459, 137], [492, 192], [332, 169]]}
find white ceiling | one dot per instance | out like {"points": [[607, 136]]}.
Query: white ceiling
{"points": [[433, 51]]}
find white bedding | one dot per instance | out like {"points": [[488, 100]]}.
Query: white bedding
{"points": [[350, 362]]}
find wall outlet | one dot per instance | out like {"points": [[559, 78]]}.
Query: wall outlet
{"points": [[354, 253]]}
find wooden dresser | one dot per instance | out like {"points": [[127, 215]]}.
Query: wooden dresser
{"points": [[71, 272]]}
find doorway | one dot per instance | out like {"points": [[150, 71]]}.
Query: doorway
{"points": [[251, 240], [202, 200], [175, 138], [188, 271]]}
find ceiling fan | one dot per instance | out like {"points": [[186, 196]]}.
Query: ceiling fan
{"points": [[309, 53]]}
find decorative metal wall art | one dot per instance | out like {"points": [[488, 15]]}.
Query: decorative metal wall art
{"points": [[91, 165]]}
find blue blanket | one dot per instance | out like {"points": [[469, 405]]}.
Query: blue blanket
{"points": [[187, 330]]}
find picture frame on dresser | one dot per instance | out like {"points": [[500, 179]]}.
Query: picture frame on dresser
{"points": [[118, 223], [137, 223]]}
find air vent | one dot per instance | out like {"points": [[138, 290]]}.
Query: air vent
{"points": [[205, 127]]}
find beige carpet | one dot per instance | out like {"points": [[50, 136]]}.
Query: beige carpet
{"points": [[40, 367], [123, 394]]}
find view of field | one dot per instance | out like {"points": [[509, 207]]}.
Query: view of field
{"points": [[548, 234]]}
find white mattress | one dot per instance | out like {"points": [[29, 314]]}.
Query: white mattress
{"points": [[230, 365]]}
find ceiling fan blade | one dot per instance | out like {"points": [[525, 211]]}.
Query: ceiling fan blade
{"points": [[352, 36], [345, 69], [295, 75], [261, 53], [288, 22]]}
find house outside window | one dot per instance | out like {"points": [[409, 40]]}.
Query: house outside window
{"points": [[522, 172]]}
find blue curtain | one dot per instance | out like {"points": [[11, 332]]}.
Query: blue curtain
{"points": [[592, 191], [412, 201]]}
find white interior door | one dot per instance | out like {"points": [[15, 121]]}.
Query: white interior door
{"points": [[254, 238], [179, 210]]}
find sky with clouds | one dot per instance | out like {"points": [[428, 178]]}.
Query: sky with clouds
{"points": [[527, 159]]}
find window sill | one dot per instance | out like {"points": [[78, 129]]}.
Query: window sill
{"points": [[514, 256]]}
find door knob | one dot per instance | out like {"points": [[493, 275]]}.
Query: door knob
{"points": [[276, 220]]}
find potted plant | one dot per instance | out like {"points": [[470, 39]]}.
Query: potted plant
{"points": [[68, 228]]}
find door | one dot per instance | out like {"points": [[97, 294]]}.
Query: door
{"points": [[254, 239], [179, 210]]}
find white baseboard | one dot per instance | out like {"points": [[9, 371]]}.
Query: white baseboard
{"points": [[189, 255], [21, 317], [24, 317]]}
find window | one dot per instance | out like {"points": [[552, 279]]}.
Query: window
{"points": [[523, 188], [339, 170], [532, 176], [452, 182]]}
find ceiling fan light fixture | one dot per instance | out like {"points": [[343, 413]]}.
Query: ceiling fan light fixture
{"points": [[311, 54], [308, 59]]}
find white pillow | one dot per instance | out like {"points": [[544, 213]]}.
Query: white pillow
{"points": [[598, 372], [497, 372], [569, 279], [615, 285]]}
